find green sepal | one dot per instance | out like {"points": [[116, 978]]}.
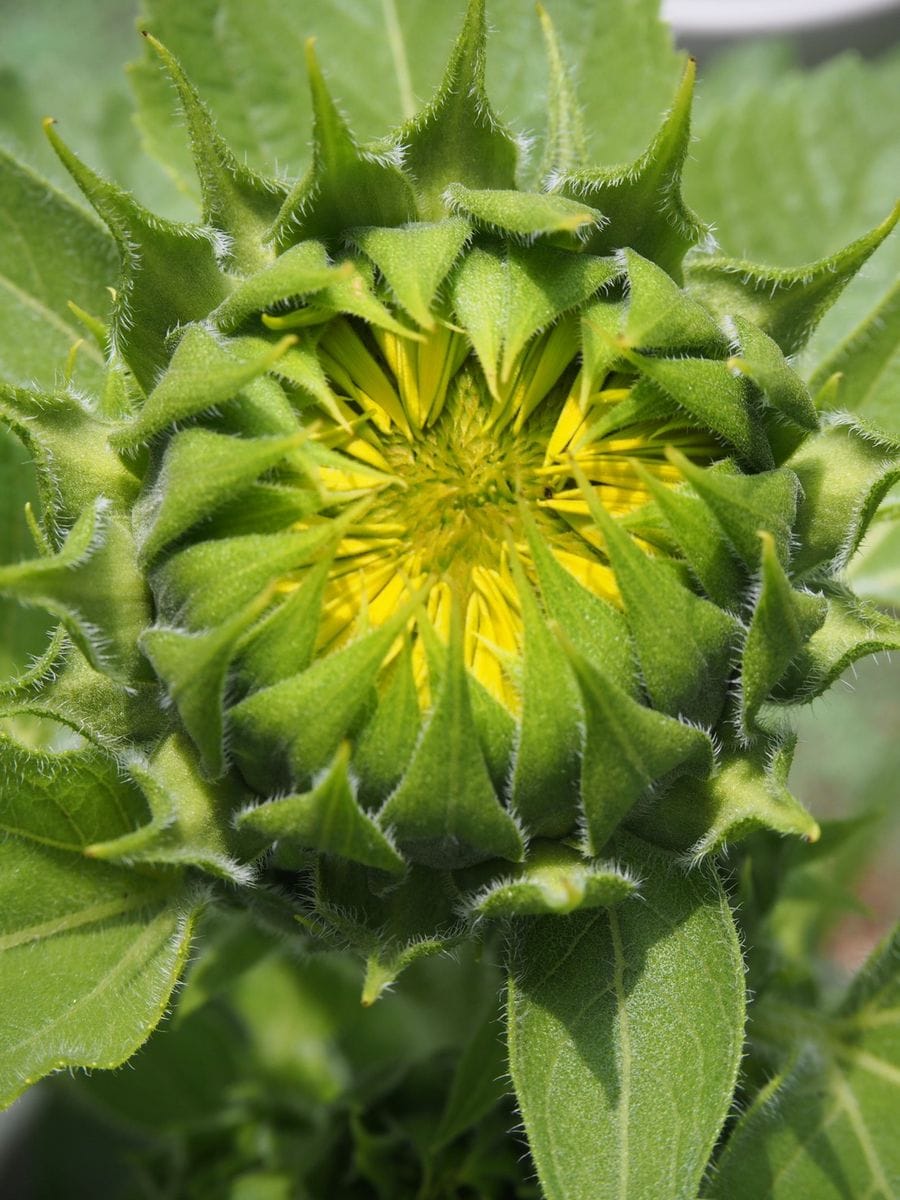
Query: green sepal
{"points": [[759, 358], [717, 399], [845, 472], [415, 260], [291, 729], [299, 366], [702, 542], [747, 792], [525, 215], [628, 749], [783, 620], [182, 495], [661, 316], [88, 701], [742, 505], [685, 660], [351, 291], [300, 271], [283, 642], [390, 924], [457, 138], [546, 761], [94, 587], [345, 185], [601, 323], [504, 295], [553, 880], [386, 745], [565, 147], [643, 199], [598, 631], [202, 375], [190, 816], [445, 811], [69, 447], [207, 583], [194, 668], [171, 272], [235, 199], [326, 819], [787, 303], [852, 629]]}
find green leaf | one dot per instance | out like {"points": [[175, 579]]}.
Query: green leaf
{"points": [[565, 144], [22, 630], [821, 1128], [660, 316], [761, 359], [90, 952], [300, 271], [45, 261], [478, 1082], [620, 1094]]}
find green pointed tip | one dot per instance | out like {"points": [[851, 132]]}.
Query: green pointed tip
{"points": [[379, 977]]}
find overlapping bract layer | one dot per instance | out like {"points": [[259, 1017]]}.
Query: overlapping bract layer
{"points": [[455, 524]]}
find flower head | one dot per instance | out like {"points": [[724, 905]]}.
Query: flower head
{"points": [[456, 523]]}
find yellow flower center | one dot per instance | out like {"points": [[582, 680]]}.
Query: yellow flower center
{"points": [[444, 461]]}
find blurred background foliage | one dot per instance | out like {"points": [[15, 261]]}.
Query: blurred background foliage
{"points": [[789, 164]]}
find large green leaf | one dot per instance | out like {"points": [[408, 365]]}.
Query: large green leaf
{"points": [[89, 952], [51, 252], [823, 1128], [625, 1031]]}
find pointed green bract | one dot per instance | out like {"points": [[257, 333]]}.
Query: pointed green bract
{"points": [[543, 786], [345, 185], [190, 821], [386, 745], [415, 260], [445, 810], [555, 880], [628, 748], [235, 199], [201, 375], [505, 296], [171, 273], [784, 619], [327, 819], [760, 358], [457, 138], [524, 215], [785, 303], [300, 271], [643, 201], [661, 316], [565, 149], [747, 792]]}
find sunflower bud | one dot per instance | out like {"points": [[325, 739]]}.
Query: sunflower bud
{"points": [[429, 530]]}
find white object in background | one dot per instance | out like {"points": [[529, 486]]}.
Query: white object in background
{"points": [[721, 18]]}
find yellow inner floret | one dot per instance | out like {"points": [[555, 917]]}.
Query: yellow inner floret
{"points": [[448, 461]]}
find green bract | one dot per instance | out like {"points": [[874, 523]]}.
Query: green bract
{"points": [[446, 548]]}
